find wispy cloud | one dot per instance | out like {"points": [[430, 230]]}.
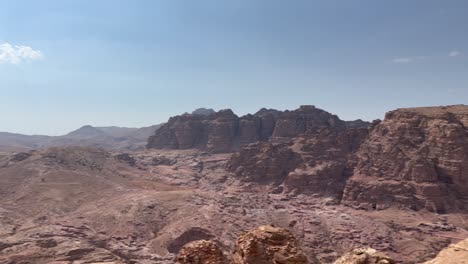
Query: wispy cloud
{"points": [[454, 53], [18, 54], [402, 60], [408, 59]]}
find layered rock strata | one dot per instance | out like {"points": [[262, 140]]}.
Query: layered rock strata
{"points": [[224, 131], [416, 158]]}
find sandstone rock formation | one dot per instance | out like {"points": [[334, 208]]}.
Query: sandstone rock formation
{"points": [[224, 131], [84, 205], [316, 163], [364, 256], [416, 158], [453, 254], [265, 162], [215, 132], [201, 252], [267, 245]]}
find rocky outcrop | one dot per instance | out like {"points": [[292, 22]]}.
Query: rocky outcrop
{"points": [[266, 245], [201, 252], [453, 254], [415, 158], [305, 120], [316, 163], [328, 157], [203, 111], [364, 256], [215, 132], [223, 131], [265, 162]]}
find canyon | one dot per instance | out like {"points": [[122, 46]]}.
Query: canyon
{"points": [[217, 182]]}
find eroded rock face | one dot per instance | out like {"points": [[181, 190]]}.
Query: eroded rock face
{"points": [[305, 120], [364, 256], [416, 158], [201, 252], [265, 162], [214, 132], [316, 163], [453, 254], [223, 131], [267, 245]]}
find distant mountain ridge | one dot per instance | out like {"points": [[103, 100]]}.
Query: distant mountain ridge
{"points": [[224, 131], [109, 138]]}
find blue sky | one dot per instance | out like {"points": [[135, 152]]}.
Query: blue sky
{"points": [[135, 63]]}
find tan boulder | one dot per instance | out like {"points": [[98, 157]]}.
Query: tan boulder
{"points": [[201, 252], [453, 254], [267, 245], [364, 256]]}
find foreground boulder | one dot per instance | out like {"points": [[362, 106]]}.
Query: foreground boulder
{"points": [[201, 252], [267, 245], [364, 256], [453, 254]]}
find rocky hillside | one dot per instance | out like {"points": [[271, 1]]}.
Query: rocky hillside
{"points": [[318, 163], [416, 158], [223, 131], [83, 205], [335, 190]]}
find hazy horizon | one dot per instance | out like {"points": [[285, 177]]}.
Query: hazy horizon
{"points": [[65, 64]]}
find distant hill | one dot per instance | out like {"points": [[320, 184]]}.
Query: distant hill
{"points": [[110, 138]]}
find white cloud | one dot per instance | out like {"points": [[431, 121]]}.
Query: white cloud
{"points": [[454, 53], [409, 59], [403, 60], [18, 54]]}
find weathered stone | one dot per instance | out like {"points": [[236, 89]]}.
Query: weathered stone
{"points": [[364, 256], [453, 254], [416, 158], [201, 252], [267, 245]]}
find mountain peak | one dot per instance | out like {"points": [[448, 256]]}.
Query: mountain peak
{"points": [[203, 111], [86, 131]]}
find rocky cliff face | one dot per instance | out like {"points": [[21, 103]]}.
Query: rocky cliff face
{"points": [[315, 163], [224, 131], [416, 158]]}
